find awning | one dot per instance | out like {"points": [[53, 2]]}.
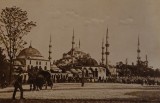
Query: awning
{"points": [[79, 71], [56, 69], [89, 71], [74, 71], [68, 72]]}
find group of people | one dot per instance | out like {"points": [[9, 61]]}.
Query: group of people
{"points": [[133, 80], [40, 77]]}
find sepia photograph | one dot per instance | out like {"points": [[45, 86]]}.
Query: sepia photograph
{"points": [[79, 51]]}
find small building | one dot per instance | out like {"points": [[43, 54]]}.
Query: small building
{"points": [[113, 70], [31, 58], [97, 73]]}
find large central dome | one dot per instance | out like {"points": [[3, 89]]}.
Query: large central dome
{"points": [[80, 59], [29, 53]]}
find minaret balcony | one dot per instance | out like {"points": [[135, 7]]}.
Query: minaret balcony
{"points": [[138, 51], [73, 49], [107, 45], [107, 53], [49, 58], [138, 58]]}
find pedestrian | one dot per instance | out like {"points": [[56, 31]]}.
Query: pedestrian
{"points": [[18, 84], [3, 81], [82, 79]]}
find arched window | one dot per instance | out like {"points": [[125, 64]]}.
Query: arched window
{"points": [[45, 68], [96, 72], [32, 67], [36, 62], [40, 68], [87, 74], [28, 67]]}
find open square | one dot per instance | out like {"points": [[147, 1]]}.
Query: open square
{"points": [[90, 91]]}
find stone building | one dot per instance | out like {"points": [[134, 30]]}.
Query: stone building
{"points": [[76, 60], [31, 58]]}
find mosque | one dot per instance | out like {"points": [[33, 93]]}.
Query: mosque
{"points": [[75, 61], [72, 63]]}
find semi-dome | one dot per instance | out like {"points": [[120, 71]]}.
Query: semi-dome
{"points": [[77, 52], [80, 59], [29, 52]]}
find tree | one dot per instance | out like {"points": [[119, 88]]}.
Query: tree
{"points": [[14, 26]]}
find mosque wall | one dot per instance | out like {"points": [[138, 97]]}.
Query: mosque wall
{"points": [[44, 64]]}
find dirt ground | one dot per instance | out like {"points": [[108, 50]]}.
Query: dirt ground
{"points": [[77, 101], [90, 93]]}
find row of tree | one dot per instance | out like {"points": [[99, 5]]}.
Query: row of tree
{"points": [[136, 70]]}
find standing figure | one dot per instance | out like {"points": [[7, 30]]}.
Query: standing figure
{"points": [[82, 79], [18, 84], [3, 81]]}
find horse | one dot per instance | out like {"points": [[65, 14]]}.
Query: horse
{"points": [[47, 78], [37, 79]]}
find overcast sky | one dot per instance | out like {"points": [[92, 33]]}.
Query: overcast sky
{"points": [[126, 19]]}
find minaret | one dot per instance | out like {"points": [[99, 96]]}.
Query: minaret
{"points": [[146, 60], [107, 46], [102, 51], [138, 52], [50, 49], [79, 44], [30, 46], [126, 61], [73, 43]]}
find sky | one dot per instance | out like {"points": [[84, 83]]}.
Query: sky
{"points": [[125, 19]]}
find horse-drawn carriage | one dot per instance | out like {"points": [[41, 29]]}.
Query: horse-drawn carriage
{"points": [[38, 79]]}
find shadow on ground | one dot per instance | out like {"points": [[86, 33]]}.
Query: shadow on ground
{"points": [[79, 101], [147, 95], [11, 91]]}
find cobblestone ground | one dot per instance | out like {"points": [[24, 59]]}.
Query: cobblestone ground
{"points": [[92, 91]]}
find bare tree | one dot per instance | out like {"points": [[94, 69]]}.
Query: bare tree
{"points": [[14, 26]]}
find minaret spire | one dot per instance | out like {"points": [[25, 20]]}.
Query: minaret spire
{"points": [[103, 51], [126, 61], [138, 52], [73, 43], [50, 48], [146, 60], [107, 46], [30, 46], [79, 44]]}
